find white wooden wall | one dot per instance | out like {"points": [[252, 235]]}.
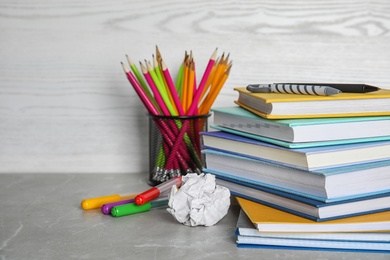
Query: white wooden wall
{"points": [[66, 106]]}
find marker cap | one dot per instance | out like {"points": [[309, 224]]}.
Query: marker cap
{"points": [[106, 208], [94, 203], [129, 209], [147, 196]]}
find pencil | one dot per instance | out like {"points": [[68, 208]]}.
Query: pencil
{"points": [[172, 89], [163, 83], [155, 91], [138, 89], [212, 96], [184, 89], [221, 67], [194, 106], [207, 87], [159, 61], [142, 81], [180, 76], [191, 78], [161, 89]]}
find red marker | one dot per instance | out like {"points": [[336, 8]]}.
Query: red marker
{"points": [[154, 192]]}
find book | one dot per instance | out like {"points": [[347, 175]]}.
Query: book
{"points": [[248, 236], [303, 129], [327, 185], [303, 158], [245, 228], [356, 248], [298, 145], [305, 207], [268, 219], [278, 105]]}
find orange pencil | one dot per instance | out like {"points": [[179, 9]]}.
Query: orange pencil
{"points": [[203, 83], [206, 89], [221, 66], [184, 92], [212, 96], [191, 77]]}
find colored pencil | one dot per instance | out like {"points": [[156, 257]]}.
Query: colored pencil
{"points": [[194, 106], [156, 92], [212, 96], [172, 88]]}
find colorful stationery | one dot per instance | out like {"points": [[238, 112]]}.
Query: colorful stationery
{"points": [[179, 149]]}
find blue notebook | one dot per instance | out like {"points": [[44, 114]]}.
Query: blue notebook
{"points": [[325, 185], [305, 207], [303, 158]]}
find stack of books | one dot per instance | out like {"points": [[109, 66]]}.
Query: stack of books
{"points": [[309, 172]]}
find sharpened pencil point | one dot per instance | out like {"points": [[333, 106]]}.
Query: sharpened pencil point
{"points": [[124, 68], [131, 63]]}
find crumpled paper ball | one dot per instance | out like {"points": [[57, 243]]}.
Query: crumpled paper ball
{"points": [[199, 201]]}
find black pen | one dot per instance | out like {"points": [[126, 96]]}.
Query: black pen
{"points": [[351, 88], [288, 88]]}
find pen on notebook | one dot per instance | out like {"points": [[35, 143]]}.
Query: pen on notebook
{"points": [[132, 208], [343, 87], [293, 89], [155, 192], [98, 202]]}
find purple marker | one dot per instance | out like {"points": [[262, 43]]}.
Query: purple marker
{"points": [[106, 208]]}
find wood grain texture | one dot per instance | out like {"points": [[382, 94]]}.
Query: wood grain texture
{"points": [[66, 106]]}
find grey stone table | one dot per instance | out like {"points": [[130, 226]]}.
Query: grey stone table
{"points": [[41, 218]]}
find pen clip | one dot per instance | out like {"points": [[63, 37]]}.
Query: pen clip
{"points": [[259, 88]]}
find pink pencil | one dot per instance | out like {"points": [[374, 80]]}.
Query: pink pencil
{"points": [[194, 106], [172, 88], [156, 93], [138, 89]]}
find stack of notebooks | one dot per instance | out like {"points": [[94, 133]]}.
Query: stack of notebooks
{"points": [[309, 172]]}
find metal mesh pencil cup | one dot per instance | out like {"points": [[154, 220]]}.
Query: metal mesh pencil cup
{"points": [[175, 146]]}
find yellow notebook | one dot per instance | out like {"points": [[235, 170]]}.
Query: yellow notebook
{"points": [[269, 219], [278, 105]]}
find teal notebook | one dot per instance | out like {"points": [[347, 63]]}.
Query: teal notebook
{"points": [[297, 133]]}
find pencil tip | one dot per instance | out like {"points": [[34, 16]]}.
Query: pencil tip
{"points": [[129, 60], [124, 68]]}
